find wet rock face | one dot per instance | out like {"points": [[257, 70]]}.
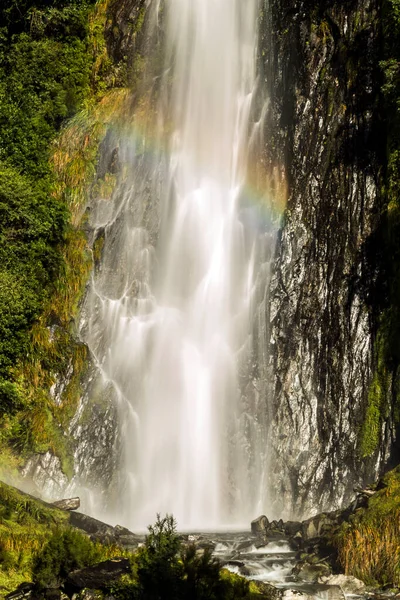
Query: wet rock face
{"points": [[46, 476], [95, 439], [123, 28], [94, 442], [324, 77]]}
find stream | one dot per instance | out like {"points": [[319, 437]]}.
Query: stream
{"points": [[271, 562]]}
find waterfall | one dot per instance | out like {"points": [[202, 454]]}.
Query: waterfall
{"points": [[176, 316]]}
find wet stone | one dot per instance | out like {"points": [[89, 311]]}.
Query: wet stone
{"points": [[349, 584], [67, 503], [312, 573], [259, 525], [97, 576]]}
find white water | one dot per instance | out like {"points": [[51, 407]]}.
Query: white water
{"points": [[170, 316]]}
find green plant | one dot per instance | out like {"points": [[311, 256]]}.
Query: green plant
{"points": [[368, 545], [164, 569], [54, 111], [159, 571], [65, 551]]}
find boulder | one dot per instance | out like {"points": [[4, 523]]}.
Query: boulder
{"points": [[311, 573], [333, 592], [296, 542], [234, 563], [275, 529], [349, 584], [259, 525], [67, 504], [291, 528], [206, 545], [88, 594], [266, 590], [126, 538], [119, 530], [90, 525], [97, 576], [245, 546], [104, 533], [319, 525], [24, 590]]}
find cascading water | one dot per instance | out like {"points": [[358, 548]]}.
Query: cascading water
{"points": [[176, 315]]}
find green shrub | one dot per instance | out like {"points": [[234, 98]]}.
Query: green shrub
{"points": [[46, 63], [32, 224], [159, 571], [164, 569], [65, 551]]}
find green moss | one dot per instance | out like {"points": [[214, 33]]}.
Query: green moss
{"points": [[25, 524], [378, 399]]}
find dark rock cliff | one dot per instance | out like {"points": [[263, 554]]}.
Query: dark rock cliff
{"points": [[324, 76]]}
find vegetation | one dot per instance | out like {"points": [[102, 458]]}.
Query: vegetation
{"points": [[37, 544], [65, 551], [44, 78], [55, 105], [369, 544], [164, 569]]}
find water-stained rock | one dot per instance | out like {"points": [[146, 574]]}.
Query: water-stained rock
{"points": [[323, 69], [44, 471], [311, 573], [259, 525], [349, 585], [67, 503], [24, 590]]}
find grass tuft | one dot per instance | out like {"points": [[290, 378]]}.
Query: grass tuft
{"points": [[368, 545]]}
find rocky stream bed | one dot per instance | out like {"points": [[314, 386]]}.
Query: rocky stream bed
{"points": [[292, 560]]}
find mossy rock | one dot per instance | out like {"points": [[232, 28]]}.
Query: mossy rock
{"points": [[264, 591]]}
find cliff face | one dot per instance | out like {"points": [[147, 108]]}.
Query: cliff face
{"points": [[328, 397], [325, 82]]}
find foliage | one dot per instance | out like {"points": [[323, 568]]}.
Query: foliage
{"points": [[50, 68], [64, 552], [164, 569], [45, 72], [25, 525], [378, 398], [32, 224], [368, 544], [159, 571], [36, 542]]}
